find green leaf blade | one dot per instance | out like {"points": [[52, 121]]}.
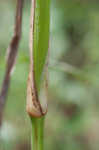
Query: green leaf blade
{"points": [[40, 37]]}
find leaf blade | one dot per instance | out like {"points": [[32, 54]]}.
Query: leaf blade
{"points": [[40, 38]]}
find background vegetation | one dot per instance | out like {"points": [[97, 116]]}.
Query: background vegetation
{"points": [[72, 121]]}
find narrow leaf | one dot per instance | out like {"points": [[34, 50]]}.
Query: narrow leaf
{"points": [[11, 55], [39, 42]]}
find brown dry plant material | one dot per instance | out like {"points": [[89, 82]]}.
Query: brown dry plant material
{"points": [[11, 55]]}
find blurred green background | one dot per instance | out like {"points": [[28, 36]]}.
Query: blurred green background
{"points": [[72, 122]]}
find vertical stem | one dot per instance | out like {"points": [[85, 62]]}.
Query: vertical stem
{"points": [[37, 133], [39, 43], [11, 56]]}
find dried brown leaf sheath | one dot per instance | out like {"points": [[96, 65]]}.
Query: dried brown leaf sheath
{"points": [[11, 55], [34, 108]]}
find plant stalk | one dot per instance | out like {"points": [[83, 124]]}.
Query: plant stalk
{"points": [[37, 140], [39, 43]]}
